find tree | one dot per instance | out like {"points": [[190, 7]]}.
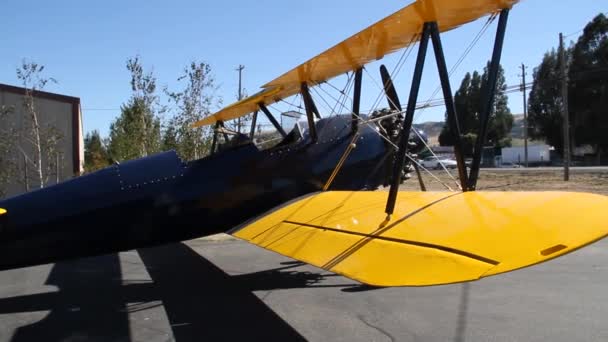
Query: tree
{"points": [[468, 103], [136, 132], [38, 141], [501, 119], [587, 65], [545, 104], [95, 154], [170, 136], [193, 103], [588, 93]]}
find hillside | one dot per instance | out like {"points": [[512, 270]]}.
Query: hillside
{"points": [[433, 129], [517, 132]]}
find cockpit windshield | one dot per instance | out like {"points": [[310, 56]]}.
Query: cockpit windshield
{"points": [[301, 128], [299, 132]]}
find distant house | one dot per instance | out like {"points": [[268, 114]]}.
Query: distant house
{"points": [[444, 151], [537, 155], [64, 115]]}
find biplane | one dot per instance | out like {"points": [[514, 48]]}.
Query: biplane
{"points": [[311, 196]]}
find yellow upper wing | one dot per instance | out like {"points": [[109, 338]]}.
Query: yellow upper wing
{"points": [[388, 35], [435, 237]]}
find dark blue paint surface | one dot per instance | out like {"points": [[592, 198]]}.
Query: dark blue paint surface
{"points": [[160, 199]]}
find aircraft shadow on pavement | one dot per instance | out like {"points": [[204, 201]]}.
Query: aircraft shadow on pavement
{"points": [[88, 307], [202, 302]]}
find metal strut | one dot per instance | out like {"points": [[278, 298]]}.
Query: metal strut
{"points": [[488, 98], [357, 99], [420, 181], [409, 117], [272, 119], [223, 131], [311, 111], [215, 133], [254, 121], [452, 116]]}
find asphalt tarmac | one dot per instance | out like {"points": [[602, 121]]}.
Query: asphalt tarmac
{"points": [[232, 291]]}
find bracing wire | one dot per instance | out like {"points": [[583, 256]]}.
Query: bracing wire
{"points": [[358, 118], [452, 70], [438, 160], [404, 57], [461, 59], [292, 104], [390, 142], [342, 93], [429, 172]]}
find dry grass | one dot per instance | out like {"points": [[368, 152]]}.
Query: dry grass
{"points": [[596, 182]]}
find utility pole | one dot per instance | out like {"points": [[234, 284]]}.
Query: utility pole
{"points": [[240, 94], [566, 115], [523, 89]]}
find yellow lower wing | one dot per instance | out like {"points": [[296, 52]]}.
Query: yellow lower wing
{"points": [[434, 237]]}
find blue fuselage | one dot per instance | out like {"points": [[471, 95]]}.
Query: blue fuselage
{"points": [[160, 199]]}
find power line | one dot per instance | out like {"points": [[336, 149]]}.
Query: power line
{"points": [[572, 34]]}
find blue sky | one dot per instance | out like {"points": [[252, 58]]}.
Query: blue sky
{"points": [[84, 45]]}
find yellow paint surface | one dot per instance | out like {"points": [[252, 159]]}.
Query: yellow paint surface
{"points": [[433, 237], [392, 33]]}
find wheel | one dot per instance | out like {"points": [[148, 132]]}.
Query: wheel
{"points": [[438, 166]]}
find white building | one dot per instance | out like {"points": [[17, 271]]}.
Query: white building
{"points": [[537, 155]]}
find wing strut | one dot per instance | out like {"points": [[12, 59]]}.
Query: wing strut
{"points": [[357, 99], [311, 111], [272, 119], [489, 97], [217, 129], [452, 116], [254, 121], [215, 133], [468, 183], [409, 119]]}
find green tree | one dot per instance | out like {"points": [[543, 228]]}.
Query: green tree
{"points": [[588, 89], [468, 103], [193, 103], [501, 119], [95, 154], [587, 67], [136, 132], [170, 136], [545, 104]]}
